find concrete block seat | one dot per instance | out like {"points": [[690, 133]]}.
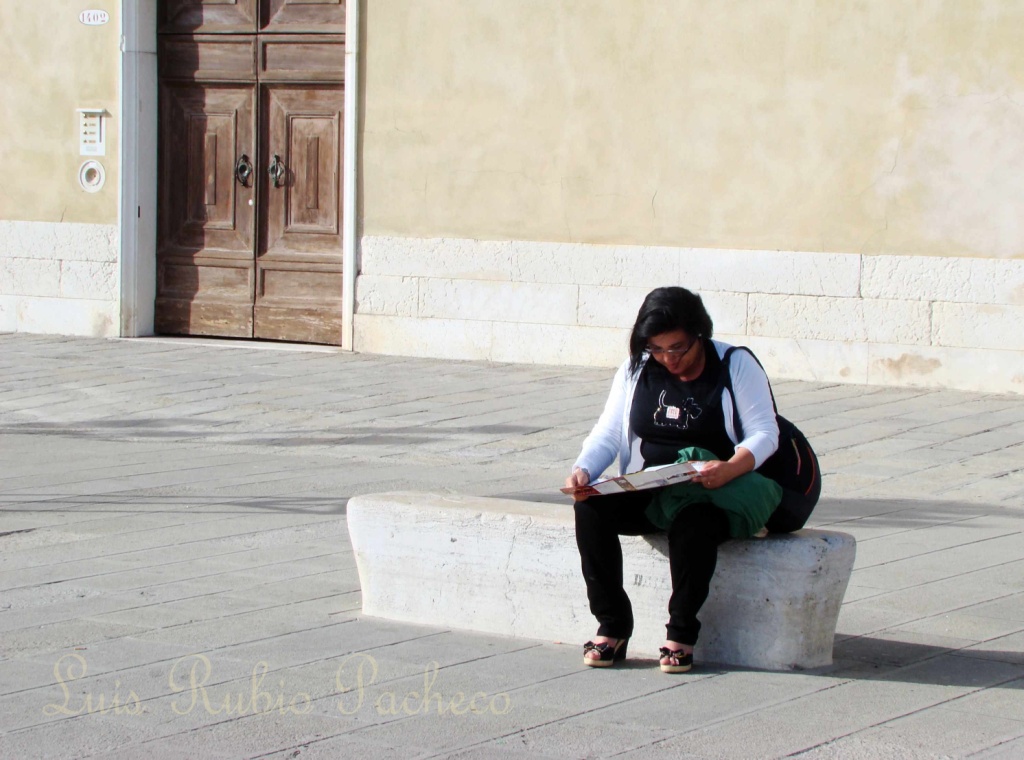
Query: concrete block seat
{"points": [[512, 567]]}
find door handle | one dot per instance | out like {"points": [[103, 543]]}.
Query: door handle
{"points": [[243, 170], [277, 171]]}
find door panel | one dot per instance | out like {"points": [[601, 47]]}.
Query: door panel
{"points": [[299, 301], [299, 261], [206, 227], [319, 16], [188, 16], [301, 58], [303, 126], [208, 57]]}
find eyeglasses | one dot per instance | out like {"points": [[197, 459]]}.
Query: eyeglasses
{"points": [[680, 352]]}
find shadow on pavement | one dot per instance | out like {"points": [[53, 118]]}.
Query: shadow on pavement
{"points": [[213, 431], [160, 504]]}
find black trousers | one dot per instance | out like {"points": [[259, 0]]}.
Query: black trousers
{"points": [[693, 540]]}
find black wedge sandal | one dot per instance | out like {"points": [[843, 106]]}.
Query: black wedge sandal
{"points": [[678, 661], [608, 654]]}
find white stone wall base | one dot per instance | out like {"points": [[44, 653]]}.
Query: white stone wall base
{"points": [[983, 370], [59, 316], [59, 278], [473, 340], [512, 567], [831, 317], [971, 369]]}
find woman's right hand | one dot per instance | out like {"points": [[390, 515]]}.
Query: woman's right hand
{"points": [[578, 479]]}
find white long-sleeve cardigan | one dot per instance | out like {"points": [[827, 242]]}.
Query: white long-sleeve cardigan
{"points": [[612, 436]]}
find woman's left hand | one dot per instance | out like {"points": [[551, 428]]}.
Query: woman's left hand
{"points": [[716, 473]]}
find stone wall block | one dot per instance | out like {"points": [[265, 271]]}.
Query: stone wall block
{"points": [[897, 321], [841, 319], [68, 316], [960, 280], [395, 296], [407, 336], [89, 242], [8, 314], [436, 257], [498, 301], [610, 306], [778, 272], [95, 280], [978, 326], [618, 307], [559, 344], [970, 369], [806, 317], [59, 241], [585, 264], [728, 311], [816, 360], [564, 263], [29, 277], [651, 267]]}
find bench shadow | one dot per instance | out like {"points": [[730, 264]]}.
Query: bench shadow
{"points": [[882, 653], [881, 660], [864, 658], [850, 513]]}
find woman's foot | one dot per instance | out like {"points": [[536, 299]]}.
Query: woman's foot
{"points": [[676, 657], [604, 651]]}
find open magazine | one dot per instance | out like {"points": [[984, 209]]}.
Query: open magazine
{"points": [[652, 477]]}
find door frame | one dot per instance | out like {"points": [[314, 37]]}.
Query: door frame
{"points": [[137, 191]]}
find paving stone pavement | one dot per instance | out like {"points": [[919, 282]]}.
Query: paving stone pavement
{"points": [[176, 578]]}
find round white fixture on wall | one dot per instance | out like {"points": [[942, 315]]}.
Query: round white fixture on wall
{"points": [[91, 176]]}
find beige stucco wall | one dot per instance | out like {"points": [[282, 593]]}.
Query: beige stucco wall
{"points": [[59, 245], [52, 65], [805, 125]]}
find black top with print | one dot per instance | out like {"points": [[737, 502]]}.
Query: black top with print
{"points": [[668, 413]]}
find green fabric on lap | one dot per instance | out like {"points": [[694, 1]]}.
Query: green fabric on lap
{"points": [[748, 501]]}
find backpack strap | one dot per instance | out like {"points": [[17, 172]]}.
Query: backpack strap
{"points": [[726, 381]]}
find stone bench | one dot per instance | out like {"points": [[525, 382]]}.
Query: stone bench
{"points": [[512, 567]]}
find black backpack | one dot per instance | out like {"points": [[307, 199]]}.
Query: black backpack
{"points": [[794, 465]]}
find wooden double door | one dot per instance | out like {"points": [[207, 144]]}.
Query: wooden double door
{"points": [[250, 169]]}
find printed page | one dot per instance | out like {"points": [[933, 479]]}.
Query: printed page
{"points": [[653, 477]]}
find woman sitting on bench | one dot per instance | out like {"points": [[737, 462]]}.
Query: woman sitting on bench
{"points": [[669, 401]]}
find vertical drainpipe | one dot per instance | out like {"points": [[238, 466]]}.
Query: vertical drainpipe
{"points": [[349, 225], [128, 324], [127, 186], [137, 129]]}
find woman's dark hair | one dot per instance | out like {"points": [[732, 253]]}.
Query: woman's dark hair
{"points": [[665, 310]]}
